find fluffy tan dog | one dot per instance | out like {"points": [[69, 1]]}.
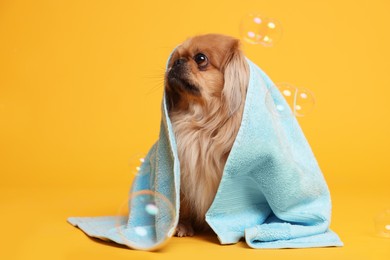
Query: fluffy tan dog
{"points": [[205, 84]]}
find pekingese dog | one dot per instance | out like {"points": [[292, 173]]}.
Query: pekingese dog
{"points": [[205, 85]]}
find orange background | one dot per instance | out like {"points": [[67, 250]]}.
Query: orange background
{"points": [[80, 94]]}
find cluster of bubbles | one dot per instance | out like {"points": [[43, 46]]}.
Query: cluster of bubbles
{"points": [[296, 101], [153, 223], [258, 29]]}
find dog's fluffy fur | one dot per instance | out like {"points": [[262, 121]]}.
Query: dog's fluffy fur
{"points": [[205, 86]]}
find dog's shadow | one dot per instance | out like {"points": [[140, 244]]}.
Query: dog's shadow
{"points": [[116, 245], [212, 238], [206, 236]]}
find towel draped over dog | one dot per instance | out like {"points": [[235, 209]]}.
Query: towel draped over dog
{"points": [[272, 192]]}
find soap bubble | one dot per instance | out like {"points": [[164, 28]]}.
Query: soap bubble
{"points": [[382, 224], [295, 102], [258, 29], [152, 221], [135, 162]]}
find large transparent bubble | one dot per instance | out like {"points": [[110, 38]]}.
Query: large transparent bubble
{"points": [[152, 221]]}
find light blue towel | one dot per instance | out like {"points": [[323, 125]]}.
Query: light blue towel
{"points": [[272, 191]]}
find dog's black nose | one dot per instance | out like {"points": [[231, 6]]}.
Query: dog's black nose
{"points": [[179, 62]]}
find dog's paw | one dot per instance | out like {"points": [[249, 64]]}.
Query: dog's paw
{"points": [[184, 230]]}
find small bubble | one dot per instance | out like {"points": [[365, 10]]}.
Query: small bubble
{"points": [[257, 29], [300, 100]]}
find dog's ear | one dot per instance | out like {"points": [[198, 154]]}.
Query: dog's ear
{"points": [[236, 78]]}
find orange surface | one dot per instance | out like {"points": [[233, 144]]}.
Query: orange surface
{"points": [[80, 93]]}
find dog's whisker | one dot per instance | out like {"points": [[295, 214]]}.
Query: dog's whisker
{"points": [[157, 80], [155, 88]]}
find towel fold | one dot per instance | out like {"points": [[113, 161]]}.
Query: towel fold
{"points": [[272, 191]]}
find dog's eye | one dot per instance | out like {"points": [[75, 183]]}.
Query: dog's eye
{"points": [[201, 60]]}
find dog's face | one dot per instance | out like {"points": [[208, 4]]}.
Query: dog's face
{"points": [[203, 70]]}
